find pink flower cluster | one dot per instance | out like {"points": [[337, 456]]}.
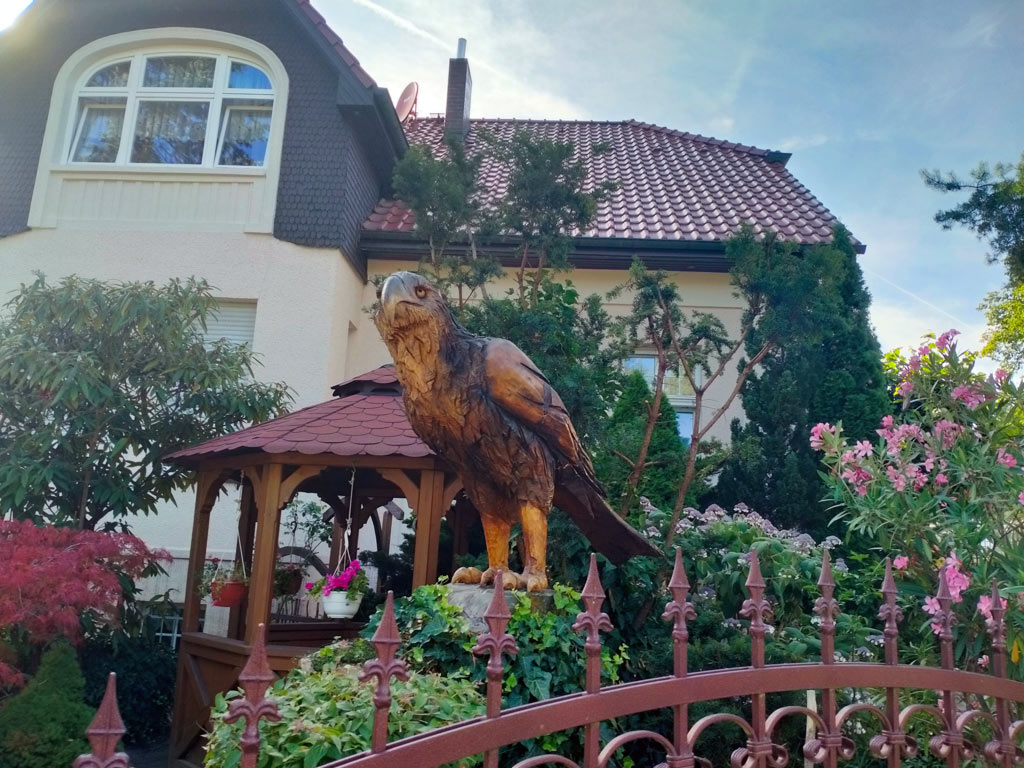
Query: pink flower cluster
{"points": [[818, 431], [957, 581], [343, 579], [972, 395], [985, 606], [943, 341]]}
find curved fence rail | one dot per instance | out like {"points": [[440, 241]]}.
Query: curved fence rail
{"points": [[951, 725]]}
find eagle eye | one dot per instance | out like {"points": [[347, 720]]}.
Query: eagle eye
{"points": [[421, 291]]}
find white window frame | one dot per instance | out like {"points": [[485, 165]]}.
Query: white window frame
{"points": [[51, 208], [679, 403], [135, 94]]}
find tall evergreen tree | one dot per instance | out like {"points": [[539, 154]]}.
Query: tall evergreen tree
{"points": [[827, 370], [666, 456]]}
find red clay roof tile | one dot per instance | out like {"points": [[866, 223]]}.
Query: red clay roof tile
{"points": [[672, 185]]}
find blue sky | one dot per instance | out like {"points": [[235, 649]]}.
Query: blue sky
{"points": [[863, 94]]}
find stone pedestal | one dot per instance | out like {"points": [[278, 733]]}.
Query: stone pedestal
{"points": [[474, 601]]}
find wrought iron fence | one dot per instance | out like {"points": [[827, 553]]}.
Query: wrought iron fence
{"points": [[951, 725]]}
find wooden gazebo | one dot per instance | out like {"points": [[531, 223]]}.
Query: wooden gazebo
{"points": [[362, 430]]}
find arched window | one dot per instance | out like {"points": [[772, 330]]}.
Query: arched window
{"points": [[178, 108]]}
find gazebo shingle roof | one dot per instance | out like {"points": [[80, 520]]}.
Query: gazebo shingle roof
{"points": [[365, 418], [671, 185]]}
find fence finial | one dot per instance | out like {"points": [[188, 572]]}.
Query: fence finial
{"points": [[386, 641], [494, 642], [593, 621], [944, 619], [256, 677], [827, 607], [756, 609], [678, 610], [105, 732], [891, 614]]}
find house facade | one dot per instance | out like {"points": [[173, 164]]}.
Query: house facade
{"points": [[239, 141]]}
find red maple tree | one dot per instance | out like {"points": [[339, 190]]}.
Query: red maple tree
{"points": [[50, 578]]}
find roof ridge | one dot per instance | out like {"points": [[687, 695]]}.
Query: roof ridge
{"points": [[334, 41], [750, 149]]}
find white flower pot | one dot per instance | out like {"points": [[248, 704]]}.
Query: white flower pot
{"points": [[340, 605]]}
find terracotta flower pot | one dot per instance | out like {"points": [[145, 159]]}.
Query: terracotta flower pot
{"points": [[229, 594], [340, 605]]}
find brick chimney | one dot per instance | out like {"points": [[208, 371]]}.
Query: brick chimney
{"points": [[460, 86]]}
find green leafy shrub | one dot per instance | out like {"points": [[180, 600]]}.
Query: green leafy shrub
{"points": [[146, 673], [44, 725], [327, 714]]}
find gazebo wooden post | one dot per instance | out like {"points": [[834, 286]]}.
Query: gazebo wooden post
{"points": [[208, 484], [243, 552], [261, 582], [428, 527]]}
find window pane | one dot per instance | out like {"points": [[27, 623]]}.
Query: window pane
{"points": [[648, 366], [684, 423], [99, 136], [170, 132], [245, 136], [113, 76], [179, 72], [247, 76]]}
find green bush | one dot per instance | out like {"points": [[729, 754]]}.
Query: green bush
{"points": [[146, 672], [44, 725], [327, 714]]}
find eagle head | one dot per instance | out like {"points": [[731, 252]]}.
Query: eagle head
{"points": [[411, 306], [416, 324]]}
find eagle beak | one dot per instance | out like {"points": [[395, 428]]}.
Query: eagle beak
{"points": [[398, 288]]}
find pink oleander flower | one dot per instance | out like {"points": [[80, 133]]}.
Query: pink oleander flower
{"points": [[900, 562], [943, 341], [848, 457], [931, 605], [915, 363], [971, 395], [1005, 458], [863, 449], [1001, 376], [941, 479], [887, 421], [985, 606], [956, 579], [983, 662], [1020, 498], [947, 431], [905, 388], [817, 432], [897, 478], [924, 350]]}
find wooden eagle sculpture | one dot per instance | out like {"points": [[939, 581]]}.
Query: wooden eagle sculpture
{"points": [[483, 405]]}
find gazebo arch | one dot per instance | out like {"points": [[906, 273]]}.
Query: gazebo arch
{"points": [[363, 429]]}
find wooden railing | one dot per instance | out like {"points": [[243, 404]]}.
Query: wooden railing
{"points": [[950, 735]]}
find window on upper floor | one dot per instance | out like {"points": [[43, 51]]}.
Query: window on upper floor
{"points": [[233, 320], [181, 109], [676, 388]]}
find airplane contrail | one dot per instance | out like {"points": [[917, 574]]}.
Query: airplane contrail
{"points": [[914, 296]]}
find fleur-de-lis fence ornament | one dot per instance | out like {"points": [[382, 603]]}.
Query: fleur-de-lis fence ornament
{"points": [[494, 642], [951, 739], [892, 744], [1002, 749], [385, 641], [255, 679], [104, 733]]}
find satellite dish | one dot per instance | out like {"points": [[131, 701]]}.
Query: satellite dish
{"points": [[406, 106]]}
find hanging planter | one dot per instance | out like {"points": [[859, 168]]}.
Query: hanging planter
{"points": [[341, 593], [225, 585], [227, 594], [341, 604]]}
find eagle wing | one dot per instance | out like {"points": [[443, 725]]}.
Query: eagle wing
{"points": [[518, 387]]}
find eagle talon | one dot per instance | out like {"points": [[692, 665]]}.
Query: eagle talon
{"points": [[535, 582], [467, 575], [510, 579]]}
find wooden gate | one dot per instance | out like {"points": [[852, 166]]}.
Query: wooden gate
{"points": [[951, 725]]}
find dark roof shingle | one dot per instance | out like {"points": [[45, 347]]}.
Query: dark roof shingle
{"points": [[671, 185], [355, 424]]}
